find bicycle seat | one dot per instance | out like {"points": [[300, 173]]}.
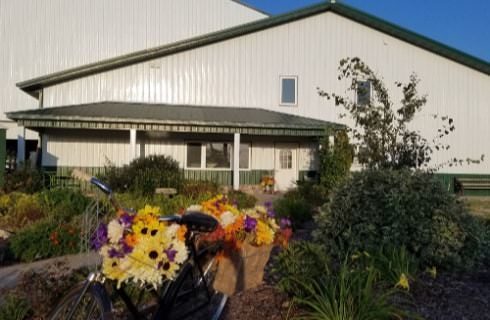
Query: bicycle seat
{"points": [[198, 221]]}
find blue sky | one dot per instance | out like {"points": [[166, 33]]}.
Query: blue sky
{"points": [[462, 24]]}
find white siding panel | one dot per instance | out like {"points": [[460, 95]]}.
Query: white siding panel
{"points": [[174, 149], [308, 156], [42, 37], [244, 72]]}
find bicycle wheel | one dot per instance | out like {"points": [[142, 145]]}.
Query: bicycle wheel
{"points": [[95, 304], [192, 296]]}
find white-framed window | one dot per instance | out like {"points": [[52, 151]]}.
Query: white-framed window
{"points": [[215, 155], [289, 90], [363, 92]]}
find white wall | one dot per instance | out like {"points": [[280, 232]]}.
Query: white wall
{"points": [[42, 37], [245, 72]]}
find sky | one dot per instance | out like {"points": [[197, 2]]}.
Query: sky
{"points": [[461, 24]]}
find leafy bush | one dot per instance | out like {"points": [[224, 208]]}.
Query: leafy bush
{"points": [[298, 264], [348, 294], [144, 175], [24, 179], [19, 210], [380, 208], [44, 239], [63, 204], [295, 207], [196, 189], [241, 199], [313, 192], [14, 307]]}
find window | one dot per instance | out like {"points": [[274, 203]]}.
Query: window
{"points": [[289, 90], [286, 159], [194, 155], [363, 92], [218, 155], [244, 156]]}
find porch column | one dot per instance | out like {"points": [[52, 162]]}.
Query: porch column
{"points": [[21, 146], [236, 161], [132, 144]]}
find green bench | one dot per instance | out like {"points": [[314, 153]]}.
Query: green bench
{"points": [[462, 184]]}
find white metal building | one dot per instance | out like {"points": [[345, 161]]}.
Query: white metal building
{"points": [[274, 64]]}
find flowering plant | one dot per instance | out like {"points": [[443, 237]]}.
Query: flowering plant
{"points": [[267, 183], [140, 248], [255, 226]]}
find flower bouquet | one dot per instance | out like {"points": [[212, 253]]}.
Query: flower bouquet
{"points": [[248, 237], [267, 184], [140, 248]]}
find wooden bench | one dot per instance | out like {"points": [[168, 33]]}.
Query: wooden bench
{"points": [[471, 184], [168, 192]]}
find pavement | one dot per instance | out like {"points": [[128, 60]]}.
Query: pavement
{"points": [[10, 275]]}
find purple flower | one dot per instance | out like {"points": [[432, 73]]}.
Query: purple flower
{"points": [[125, 247], [99, 238], [250, 224], [113, 253], [126, 219], [285, 223], [268, 204], [170, 254], [271, 213]]}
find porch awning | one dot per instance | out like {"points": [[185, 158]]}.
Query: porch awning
{"points": [[171, 118]]}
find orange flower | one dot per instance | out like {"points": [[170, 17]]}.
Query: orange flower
{"points": [[131, 239], [181, 233]]}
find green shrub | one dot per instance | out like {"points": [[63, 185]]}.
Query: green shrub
{"points": [[293, 206], [19, 210], [313, 192], [298, 264], [144, 175], [241, 199], [348, 294], [14, 307], [45, 239], [380, 208], [197, 189], [63, 204], [24, 179]]}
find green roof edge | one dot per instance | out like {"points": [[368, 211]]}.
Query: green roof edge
{"points": [[376, 23]]}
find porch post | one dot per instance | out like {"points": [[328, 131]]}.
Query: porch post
{"points": [[132, 144], [236, 161], [21, 146]]}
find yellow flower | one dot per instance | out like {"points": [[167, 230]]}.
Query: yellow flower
{"points": [[264, 234], [111, 267], [432, 271], [403, 282]]}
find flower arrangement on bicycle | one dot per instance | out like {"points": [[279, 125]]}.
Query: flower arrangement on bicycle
{"points": [[140, 248]]}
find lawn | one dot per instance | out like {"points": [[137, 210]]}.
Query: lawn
{"points": [[479, 206]]}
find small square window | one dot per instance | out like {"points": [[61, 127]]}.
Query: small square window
{"points": [[289, 90], [286, 159], [363, 92]]}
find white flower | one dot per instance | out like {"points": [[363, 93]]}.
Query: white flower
{"points": [[4, 234], [181, 254], [194, 207], [115, 231], [171, 231], [227, 218]]}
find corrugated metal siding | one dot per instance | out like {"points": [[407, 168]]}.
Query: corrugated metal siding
{"points": [[42, 37], [245, 72], [308, 157], [263, 156]]}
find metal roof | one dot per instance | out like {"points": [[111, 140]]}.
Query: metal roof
{"points": [[31, 86], [163, 117]]}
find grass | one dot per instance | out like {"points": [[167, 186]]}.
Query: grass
{"points": [[479, 206]]}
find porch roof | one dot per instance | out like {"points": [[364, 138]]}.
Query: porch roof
{"points": [[172, 118]]}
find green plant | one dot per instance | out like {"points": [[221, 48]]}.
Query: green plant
{"points": [[381, 208], [19, 210], [63, 204], [197, 189], [24, 179], [144, 175], [14, 307], [292, 205], [44, 239], [351, 294], [241, 199], [299, 264]]}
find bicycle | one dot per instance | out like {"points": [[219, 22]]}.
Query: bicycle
{"points": [[189, 293]]}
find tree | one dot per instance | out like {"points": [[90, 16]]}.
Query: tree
{"points": [[381, 133]]}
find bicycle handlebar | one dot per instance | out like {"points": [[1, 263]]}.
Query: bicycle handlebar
{"points": [[80, 175]]}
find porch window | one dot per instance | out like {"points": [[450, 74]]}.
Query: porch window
{"points": [[194, 155], [218, 155], [286, 159], [244, 156]]}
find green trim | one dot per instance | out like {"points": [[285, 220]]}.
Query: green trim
{"points": [[33, 85], [141, 126], [448, 180]]}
